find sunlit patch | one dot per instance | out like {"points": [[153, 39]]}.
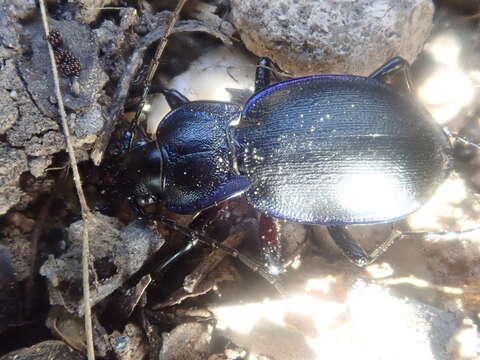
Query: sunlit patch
{"points": [[445, 92], [467, 341], [243, 318], [420, 283], [446, 204], [378, 271], [445, 49], [324, 285], [296, 263], [370, 193], [368, 324], [274, 270]]}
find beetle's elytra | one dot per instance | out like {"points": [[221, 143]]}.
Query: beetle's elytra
{"points": [[339, 150]]}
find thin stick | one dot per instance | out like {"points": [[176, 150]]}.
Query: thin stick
{"points": [[86, 214], [127, 78], [152, 68]]}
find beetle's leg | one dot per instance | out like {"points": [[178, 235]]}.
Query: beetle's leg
{"points": [[352, 249], [200, 222], [459, 138], [251, 264], [262, 74], [270, 244], [392, 66], [174, 99], [447, 235], [178, 254]]}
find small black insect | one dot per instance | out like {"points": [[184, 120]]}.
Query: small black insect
{"points": [[68, 63], [55, 39], [334, 150]]}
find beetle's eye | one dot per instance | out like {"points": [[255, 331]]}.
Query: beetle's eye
{"points": [[141, 201], [149, 200]]}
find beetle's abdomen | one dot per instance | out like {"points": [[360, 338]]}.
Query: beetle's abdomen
{"points": [[339, 150]]}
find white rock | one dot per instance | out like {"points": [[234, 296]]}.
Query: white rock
{"points": [[207, 78]]}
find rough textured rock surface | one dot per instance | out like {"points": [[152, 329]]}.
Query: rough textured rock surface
{"points": [[310, 326], [12, 163], [116, 255], [45, 351], [88, 10], [9, 291], [28, 122], [187, 341], [35, 71], [355, 37]]}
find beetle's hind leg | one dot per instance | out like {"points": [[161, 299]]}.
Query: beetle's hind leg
{"points": [[270, 243], [195, 237], [460, 139], [352, 249], [392, 67]]}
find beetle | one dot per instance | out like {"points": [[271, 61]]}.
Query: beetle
{"points": [[334, 150]]}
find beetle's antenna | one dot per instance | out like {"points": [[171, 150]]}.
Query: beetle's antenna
{"points": [[251, 264], [152, 68]]}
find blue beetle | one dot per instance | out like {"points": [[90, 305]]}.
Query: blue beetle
{"points": [[327, 149]]}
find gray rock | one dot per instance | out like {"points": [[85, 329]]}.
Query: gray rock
{"points": [[355, 37], [370, 322], [187, 341], [116, 255], [9, 291], [20, 249], [88, 10], [51, 349], [9, 34], [36, 69], [129, 17], [9, 113], [22, 9], [424, 330], [12, 163], [89, 123], [37, 165]]}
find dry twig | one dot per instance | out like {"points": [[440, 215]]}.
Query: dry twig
{"points": [[86, 213], [127, 78]]}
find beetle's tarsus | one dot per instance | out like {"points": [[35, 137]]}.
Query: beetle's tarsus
{"points": [[460, 138], [352, 249]]}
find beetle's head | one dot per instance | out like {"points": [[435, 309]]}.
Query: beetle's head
{"points": [[143, 176]]}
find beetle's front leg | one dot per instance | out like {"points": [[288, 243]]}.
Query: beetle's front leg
{"points": [[174, 99], [352, 249]]}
